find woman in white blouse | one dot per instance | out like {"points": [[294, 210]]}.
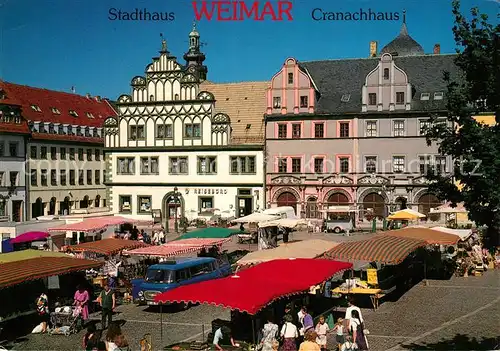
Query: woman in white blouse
{"points": [[289, 333]]}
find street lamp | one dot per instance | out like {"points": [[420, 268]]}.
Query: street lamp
{"points": [[176, 199]]}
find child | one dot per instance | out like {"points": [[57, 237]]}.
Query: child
{"points": [[322, 329], [339, 329], [348, 345]]}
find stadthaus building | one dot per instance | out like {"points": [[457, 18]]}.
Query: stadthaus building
{"points": [[171, 148]]}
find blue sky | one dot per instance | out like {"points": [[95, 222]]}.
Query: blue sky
{"points": [[56, 44]]}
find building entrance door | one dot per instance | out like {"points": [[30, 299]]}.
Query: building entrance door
{"points": [[17, 211], [245, 206]]}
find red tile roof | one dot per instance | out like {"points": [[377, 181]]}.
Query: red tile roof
{"points": [[75, 138], [64, 102]]}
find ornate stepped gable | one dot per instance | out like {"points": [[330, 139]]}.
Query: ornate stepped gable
{"points": [[169, 94]]}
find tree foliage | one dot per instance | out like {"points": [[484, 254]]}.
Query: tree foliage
{"points": [[474, 147]]}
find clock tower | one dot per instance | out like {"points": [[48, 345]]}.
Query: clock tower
{"points": [[194, 57]]}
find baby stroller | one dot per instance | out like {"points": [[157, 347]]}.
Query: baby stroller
{"points": [[66, 320]]}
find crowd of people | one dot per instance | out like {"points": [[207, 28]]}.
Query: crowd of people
{"points": [[301, 334], [157, 237]]}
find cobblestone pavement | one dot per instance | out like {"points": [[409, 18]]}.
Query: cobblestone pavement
{"points": [[458, 314]]}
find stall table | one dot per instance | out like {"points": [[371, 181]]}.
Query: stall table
{"points": [[375, 294]]}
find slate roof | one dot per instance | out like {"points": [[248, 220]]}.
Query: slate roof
{"points": [[245, 104], [334, 78], [403, 45]]}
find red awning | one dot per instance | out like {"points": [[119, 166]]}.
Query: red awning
{"points": [[254, 288], [92, 224], [13, 273], [386, 249], [107, 246], [178, 247]]}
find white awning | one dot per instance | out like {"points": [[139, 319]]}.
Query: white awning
{"points": [[255, 218], [283, 222]]}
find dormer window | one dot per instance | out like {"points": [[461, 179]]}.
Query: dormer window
{"points": [[36, 108], [345, 98], [70, 130], [41, 128], [79, 131], [90, 115], [3, 96], [51, 129], [55, 111], [73, 113], [95, 134], [438, 95], [290, 78], [60, 129], [400, 97], [425, 96], [386, 73], [87, 132]]}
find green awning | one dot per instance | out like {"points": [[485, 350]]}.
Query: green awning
{"points": [[210, 233], [28, 254]]}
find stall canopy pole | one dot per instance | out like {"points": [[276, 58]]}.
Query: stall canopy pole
{"points": [[253, 331], [161, 323]]}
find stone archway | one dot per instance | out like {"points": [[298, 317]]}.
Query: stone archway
{"points": [[312, 209], [85, 202], [401, 203], [426, 202], [173, 207], [65, 206], [37, 208], [52, 206], [374, 206], [287, 199]]}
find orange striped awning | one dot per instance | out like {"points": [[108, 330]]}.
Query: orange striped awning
{"points": [[430, 236], [41, 267], [107, 246], [382, 248]]}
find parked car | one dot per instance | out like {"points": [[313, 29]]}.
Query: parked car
{"points": [[172, 274], [338, 225]]}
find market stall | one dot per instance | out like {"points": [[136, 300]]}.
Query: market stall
{"points": [[382, 250], [26, 240], [252, 220], [94, 227], [430, 236], [24, 276], [300, 249], [209, 233], [178, 247], [253, 289], [118, 268]]}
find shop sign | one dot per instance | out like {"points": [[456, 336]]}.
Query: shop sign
{"points": [[210, 191]]}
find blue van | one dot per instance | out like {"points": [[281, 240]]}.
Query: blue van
{"points": [[172, 274]]}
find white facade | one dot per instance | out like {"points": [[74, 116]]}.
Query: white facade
{"points": [[12, 178], [168, 137], [65, 177]]}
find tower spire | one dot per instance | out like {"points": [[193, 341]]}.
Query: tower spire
{"points": [[404, 29]]}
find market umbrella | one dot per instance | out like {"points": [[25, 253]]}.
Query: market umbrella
{"points": [[30, 236], [406, 214], [210, 233]]}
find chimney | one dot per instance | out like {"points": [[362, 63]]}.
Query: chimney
{"points": [[437, 49], [97, 98], [88, 96], [373, 49]]}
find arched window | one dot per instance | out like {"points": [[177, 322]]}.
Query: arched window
{"points": [[386, 73], [97, 201], [336, 200], [287, 199], [52, 206], [312, 208], [37, 208], [85, 202], [374, 206], [426, 203]]}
